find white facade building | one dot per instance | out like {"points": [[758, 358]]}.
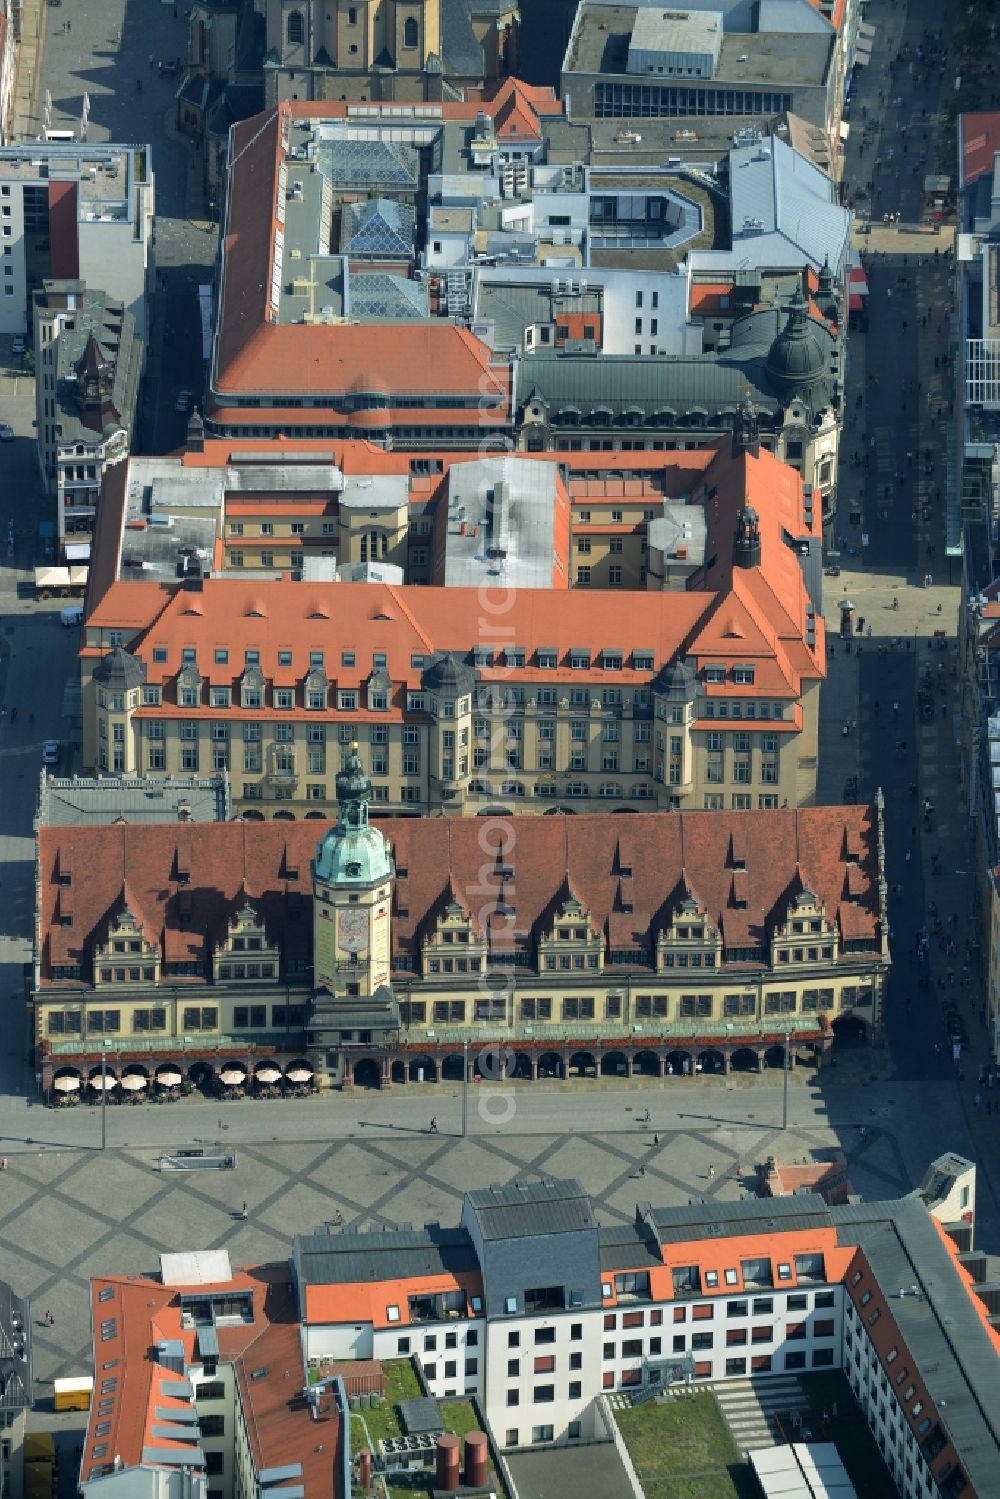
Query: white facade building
{"points": [[72, 211]]}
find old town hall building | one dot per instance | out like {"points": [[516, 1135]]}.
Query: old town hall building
{"points": [[225, 954]]}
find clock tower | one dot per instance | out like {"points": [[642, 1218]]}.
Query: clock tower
{"points": [[353, 1006]]}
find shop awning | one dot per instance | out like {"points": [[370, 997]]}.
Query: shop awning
{"points": [[855, 303]]}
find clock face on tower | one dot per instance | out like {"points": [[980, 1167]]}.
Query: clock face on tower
{"points": [[352, 930]]}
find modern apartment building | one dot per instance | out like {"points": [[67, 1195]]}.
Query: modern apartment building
{"points": [[78, 212], [357, 954], [541, 1312], [538, 1313]]}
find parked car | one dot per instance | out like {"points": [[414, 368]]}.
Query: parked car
{"points": [[51, 752], [7, 433], [183, 401], [18, 345], [168, 67]]}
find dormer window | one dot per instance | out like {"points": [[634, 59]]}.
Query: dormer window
{"points": [[743, 676], [482, 655], [611, 660], [579, 660], [715, 674], [548, 659], [642, 660]]}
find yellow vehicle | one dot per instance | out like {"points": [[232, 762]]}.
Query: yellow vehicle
{"points": [[73, 1394]]}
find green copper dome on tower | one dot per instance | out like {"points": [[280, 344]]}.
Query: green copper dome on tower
{"points": [[353, 852]]}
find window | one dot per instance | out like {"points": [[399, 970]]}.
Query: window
{"points": [[295, 31], [411, 32], [544, 1394]]}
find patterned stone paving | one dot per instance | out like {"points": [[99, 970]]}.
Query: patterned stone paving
{"points": [[66, 1216]]}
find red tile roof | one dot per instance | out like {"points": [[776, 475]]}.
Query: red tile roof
{"points": [[132, 1314], [772, 854]]}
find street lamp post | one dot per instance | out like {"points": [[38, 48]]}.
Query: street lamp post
{"points": [[465, 1087], [104, 1095], [784, 1084]]}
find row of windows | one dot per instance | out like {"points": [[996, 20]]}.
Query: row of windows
{"points": [[614, 1007], [153, 1019]]}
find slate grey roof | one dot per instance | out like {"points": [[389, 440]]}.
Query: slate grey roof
{"points": [[783, 208], [119, 670], [113, 326], [68, 801], [529, 1209], [651, 383], [945, 1335], [382, 1254], [714, 382], [461, 54], [627, 1247], [717, 1220]]}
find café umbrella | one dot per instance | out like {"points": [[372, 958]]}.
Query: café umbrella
{"points": [[169, 1079], [67, 1084], [267, 1074], [233, 1076], [133, 1081], [299, 1074]]}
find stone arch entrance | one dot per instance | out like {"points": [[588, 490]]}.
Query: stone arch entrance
{"points": [[423, 1069], [519, 1068], [398, 1073], [774, 1057], [850, 1031], [710, 1061], [614, 1064], [452, 1067], [550, 1064], [745, 1060], [582, 1064], [678, 1063], [367, 1074], [646, 1064]]}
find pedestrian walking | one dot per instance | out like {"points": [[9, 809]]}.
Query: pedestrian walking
{"points": [[433, 1126], [3, 1163], [49, 1320], [711, 1173]]}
